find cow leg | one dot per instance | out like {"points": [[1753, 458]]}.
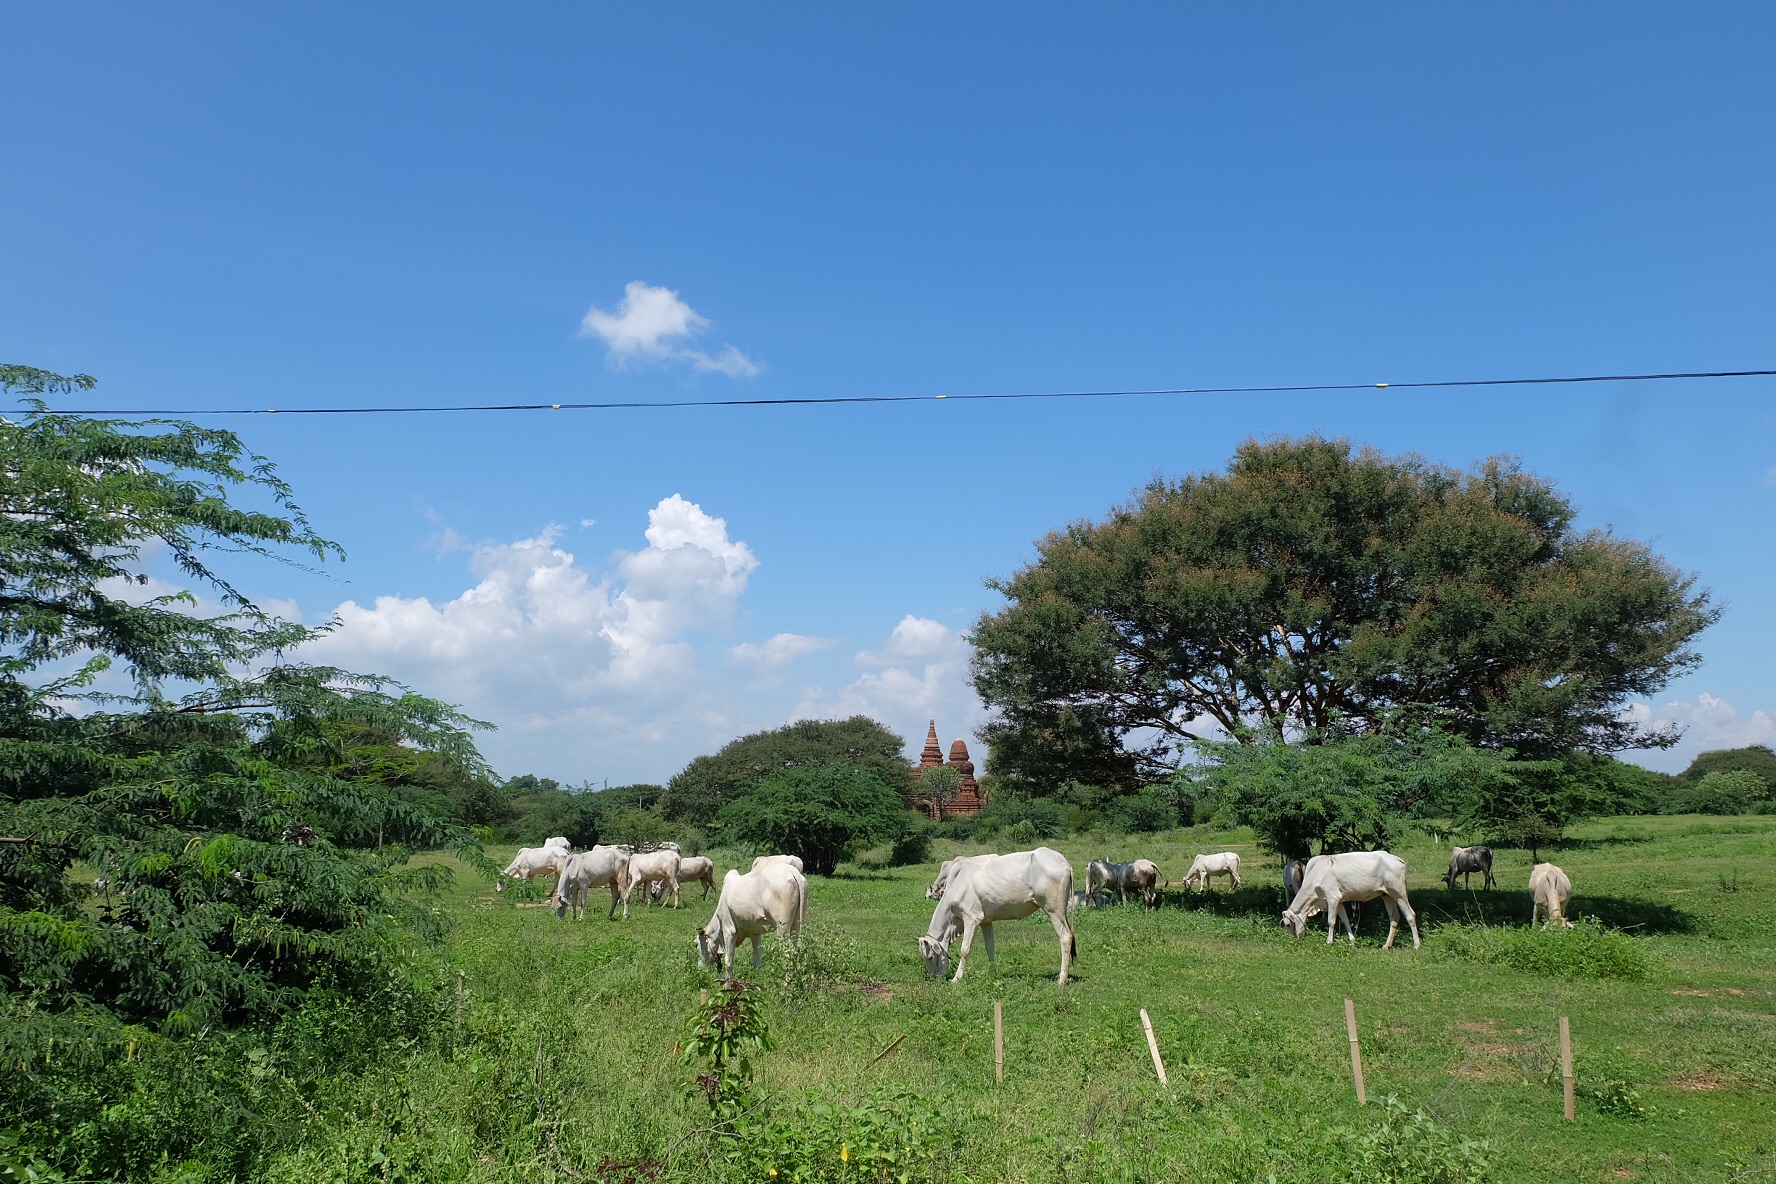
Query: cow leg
{"points": [[962, 952], [987, 932], [1411, 919], [1393, 921], [1236, 877], [675, 900], [611, 916], [1063, 930]]}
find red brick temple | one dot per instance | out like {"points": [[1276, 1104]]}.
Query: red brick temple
{"points": [[969, 799]]}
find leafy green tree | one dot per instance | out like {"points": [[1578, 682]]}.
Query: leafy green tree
{"points": [[940, 785], [1344, 793], [1755, 758], [822, 813], [1323, 589], [1727, 791], [525, 784], [708, 783], [214, 798]]}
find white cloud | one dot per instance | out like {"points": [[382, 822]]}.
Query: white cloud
{"points": [[920, 674], [561, 655], [1708, 722], [653, 324], [780, 650]]}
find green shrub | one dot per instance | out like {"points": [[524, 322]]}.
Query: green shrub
{"points": [[884, 1135], [961, 829], [1411, 1147], [822, 813], [1588, 950], [914, 844], [1021, 831], [1733, 791], [1047, 819], [1145, 812]]}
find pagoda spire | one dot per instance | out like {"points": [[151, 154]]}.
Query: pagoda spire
{"points": [[933, 754]]}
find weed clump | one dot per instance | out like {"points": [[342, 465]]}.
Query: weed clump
{"points": [[1588, 950], [1411, 1147]]}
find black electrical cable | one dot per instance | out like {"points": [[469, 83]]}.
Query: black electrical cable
{"points": [[839, 399]]}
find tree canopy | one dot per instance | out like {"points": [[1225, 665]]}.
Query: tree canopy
{"points": [[708, 783], [246, 817], [822, 813], [1316, 588]]}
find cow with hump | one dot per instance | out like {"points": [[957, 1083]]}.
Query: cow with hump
{"points": [[1329, 881], [577, 874], [1549, 890], [982, 889], [772, 897]]}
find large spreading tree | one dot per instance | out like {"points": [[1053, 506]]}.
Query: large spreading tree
{"points": [[1315, 589], [710, 782]]}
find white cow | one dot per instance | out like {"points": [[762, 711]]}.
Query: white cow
{"points": [[560, 841], [989, 888], [648, 866], [1137, 875], [947, 869], [1550, 890], [581, 871], [1081, 899], [770, 898], [1292, 877], [1329, 881], [1225, 864], [531, 862], [691, 869]]}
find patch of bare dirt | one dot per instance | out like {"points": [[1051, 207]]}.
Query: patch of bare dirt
{"points": [[1697, 1081], [1478, 1025], [1621, 1173]]}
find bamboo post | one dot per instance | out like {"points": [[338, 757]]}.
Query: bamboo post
{"points": [[703, 997], [999, 1040], [1153, 1047], [1350, 1025], [1566, 1066]]}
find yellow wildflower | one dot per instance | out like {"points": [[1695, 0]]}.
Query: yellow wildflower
{"points": [[845, 1152]]}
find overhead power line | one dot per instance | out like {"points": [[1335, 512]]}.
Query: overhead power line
{"points": [[1303, 388]]}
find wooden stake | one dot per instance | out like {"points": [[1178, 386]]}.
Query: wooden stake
{"points": [[703, 997], [1566, 1066], [999, 1040], [459, 994], [892, 1045], [1350, 1024], [1153, 1047]]}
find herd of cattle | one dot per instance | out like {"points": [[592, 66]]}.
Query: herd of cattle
{"points": [[974, 891]]}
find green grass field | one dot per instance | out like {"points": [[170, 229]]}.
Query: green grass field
{"points": [[562, 1058]]}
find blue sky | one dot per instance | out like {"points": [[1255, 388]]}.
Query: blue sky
{"points": [[214, 206]]}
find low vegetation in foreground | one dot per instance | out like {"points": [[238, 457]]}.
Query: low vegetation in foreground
{"points": [[550, 1050]]}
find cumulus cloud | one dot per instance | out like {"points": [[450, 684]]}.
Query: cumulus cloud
{"points": [[780, 650], [920, 673], [654, 324], [1708, 722], [541, 643]]}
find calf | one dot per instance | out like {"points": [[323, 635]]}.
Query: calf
{"points": [[1464, 862], [1549, 889], [770, 898], [991, 888], [1330, 880], [1225, 864]]}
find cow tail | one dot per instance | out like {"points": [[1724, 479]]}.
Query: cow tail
{"points": [[801, 906]]}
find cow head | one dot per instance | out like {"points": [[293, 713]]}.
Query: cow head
{"points": [[936, 955], [501, 886], [1294, 922], [709, 949], [1449, 877], [558, 902]]}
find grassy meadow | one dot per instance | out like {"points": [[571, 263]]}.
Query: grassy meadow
{"points": [[560, 1066]]}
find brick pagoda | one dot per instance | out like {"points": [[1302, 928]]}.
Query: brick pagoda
{"points": [[969, 799]]}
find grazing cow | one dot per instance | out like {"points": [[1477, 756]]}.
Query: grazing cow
{"points": [[989, 888], [1330, 880], [1225, 864], [1081, 899], [691, 869], [1292, 877], [947, 870], [1464, 862], [770, 898], [647, 866], [1137, 875], [581, 871], [531, 862], [1550, 890]]}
